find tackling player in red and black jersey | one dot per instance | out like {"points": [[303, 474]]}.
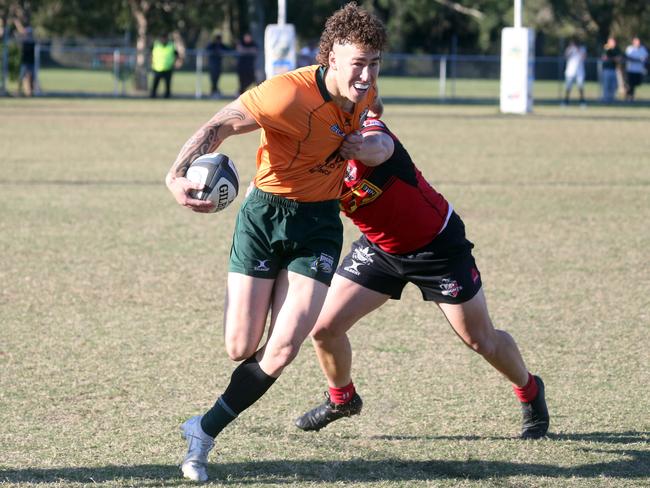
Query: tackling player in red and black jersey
{"points": [[410, 234]]}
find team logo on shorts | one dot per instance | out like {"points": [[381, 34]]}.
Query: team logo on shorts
{"points": [[353, 268], [360, 256], [450, 288], [262, 265], [324, 263]]}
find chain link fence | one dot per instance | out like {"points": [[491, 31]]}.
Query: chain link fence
{"points": [[63, 70]]}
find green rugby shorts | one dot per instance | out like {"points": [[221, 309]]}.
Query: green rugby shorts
{"points": [[274, 233]]}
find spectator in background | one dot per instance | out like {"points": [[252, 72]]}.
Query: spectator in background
{"points": [[574, 73], [27, 77], [247, 53], [611, 59], [636, 56], [215, 52], [164, 57]]}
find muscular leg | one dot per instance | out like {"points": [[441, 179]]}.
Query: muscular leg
{"points": [[247, 305], [297, 301], [471, 322], [345, 304]]}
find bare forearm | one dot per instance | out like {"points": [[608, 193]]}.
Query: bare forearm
{"points": [[375, 150], [207, 139]]}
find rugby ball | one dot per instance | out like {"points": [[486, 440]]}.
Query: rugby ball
{"points": [[219, 176]]}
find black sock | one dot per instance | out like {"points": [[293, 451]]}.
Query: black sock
{"points": [[248, 384]]}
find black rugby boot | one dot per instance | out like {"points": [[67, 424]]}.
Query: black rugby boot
{"points": [[535, 414], [328, 412]]}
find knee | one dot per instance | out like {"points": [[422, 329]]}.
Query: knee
{"points": [[489, 345], [483, 346], [279, 358], [238, 350], [325, 332], [485, 342], [321, 334]]}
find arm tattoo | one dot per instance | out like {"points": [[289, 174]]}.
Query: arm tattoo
{"points": [[206, 139]]}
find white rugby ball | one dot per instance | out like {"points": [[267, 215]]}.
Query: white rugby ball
{"points": [[219, 176]]}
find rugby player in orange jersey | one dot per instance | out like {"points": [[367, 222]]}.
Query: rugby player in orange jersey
{"points": [[385, 189], [288, 235]]}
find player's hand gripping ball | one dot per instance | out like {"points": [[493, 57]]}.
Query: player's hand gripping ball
{"points": [[219, 175]]}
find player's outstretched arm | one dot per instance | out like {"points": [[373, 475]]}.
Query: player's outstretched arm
{"points": [[371, 148], [231, 120]]}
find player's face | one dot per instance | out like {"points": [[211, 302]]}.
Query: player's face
{"points": [[354, 70]]}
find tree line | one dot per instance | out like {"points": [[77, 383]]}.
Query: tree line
{"points": [[415, 26]]}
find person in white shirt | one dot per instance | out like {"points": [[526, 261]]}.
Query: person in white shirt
{"points": [[636, 56], [574, 73]]}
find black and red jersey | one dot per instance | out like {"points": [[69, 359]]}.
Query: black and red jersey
{"points": [[392, 204]]}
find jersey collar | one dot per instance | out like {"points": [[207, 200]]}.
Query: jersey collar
{"points": [[320, 81]]}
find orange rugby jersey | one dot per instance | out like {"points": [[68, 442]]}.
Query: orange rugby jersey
{"points": [[302, 130]]}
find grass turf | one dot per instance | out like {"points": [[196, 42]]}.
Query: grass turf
{"points": [[111, 304]]}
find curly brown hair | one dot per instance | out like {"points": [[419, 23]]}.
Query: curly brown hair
{"points": [[354, 25]]}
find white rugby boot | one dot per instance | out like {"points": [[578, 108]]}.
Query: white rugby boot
{"points": [[199, 444]]}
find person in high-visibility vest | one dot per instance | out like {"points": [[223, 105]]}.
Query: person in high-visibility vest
{"points": [[163, 59]]}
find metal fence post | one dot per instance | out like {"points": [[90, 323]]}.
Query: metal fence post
{"points": [[37, 69], [442, 89], [5, 62], [198, 93], [116, 72], [599, 71]]}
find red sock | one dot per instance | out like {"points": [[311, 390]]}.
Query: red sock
{"points": [[342, 395], [527, 393]]}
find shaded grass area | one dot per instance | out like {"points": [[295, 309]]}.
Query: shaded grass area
{"points": [[112, 297]]}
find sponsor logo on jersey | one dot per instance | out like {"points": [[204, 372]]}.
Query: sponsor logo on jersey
{"points": [[374, 123], [362, 116], [324, 263], [450, 288], [359, 195], [337, 130], [333, 163], [262, 265], [350, 173]]}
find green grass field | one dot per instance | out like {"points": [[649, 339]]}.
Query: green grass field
{"points": [[111, 302]]}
